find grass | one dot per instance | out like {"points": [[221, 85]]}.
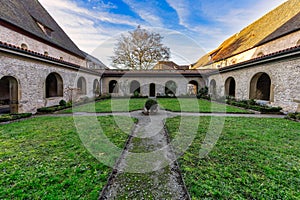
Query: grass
{"points": [[110, 105], [190, 105], [172, 104], [44, 158], [253, 159]]}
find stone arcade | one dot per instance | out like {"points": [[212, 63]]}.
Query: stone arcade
{"points": [[40, 65]]}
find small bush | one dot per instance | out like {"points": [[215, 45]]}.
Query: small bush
{"points": [[102, 97], [151, 105], [62, 103], [203, 93], [9, 117], [294, 116], [251, 104], [136, 94]]}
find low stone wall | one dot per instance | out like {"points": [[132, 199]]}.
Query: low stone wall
{"points": [[31, 76]]}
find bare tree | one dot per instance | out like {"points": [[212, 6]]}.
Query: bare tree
{"points": [[140, 50]]}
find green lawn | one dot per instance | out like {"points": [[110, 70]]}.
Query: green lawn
{"points": [[190, 105], [44, 158], [172, 104], [253, 159], [110, 105]]}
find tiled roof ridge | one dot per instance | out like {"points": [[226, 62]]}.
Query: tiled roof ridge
{"points": [[287, 50]]}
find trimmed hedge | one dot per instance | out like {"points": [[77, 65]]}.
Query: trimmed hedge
{"points": [[251, 104], [10, 117], [293, 116], [51, 109]]}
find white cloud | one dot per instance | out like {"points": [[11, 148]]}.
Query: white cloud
{"points": [[182, 9], [146, 10], [100, 28], [83, 26]]}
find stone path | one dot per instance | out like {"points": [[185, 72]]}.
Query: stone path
{"points": [[147, 168]]}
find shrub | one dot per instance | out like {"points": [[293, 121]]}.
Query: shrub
{"points": [[9, 117], [298, 116], [103, 96], [151, 105], [294, 116], [62, 103], [203, 93], [253, 105], [136, 94]]}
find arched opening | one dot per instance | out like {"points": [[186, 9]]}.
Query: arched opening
{"points": [[192, 87], [135, 87], [81, 85], [9, 97], [298, 43], [152, 90], [113, 86], [170, 88], [213, 88], [260, 87], [54, 85], [230, 87], [96, 87]]}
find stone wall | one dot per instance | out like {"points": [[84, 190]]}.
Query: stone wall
{"points": [[145, 81], [285, 82], [15, 38], [31, 76]]}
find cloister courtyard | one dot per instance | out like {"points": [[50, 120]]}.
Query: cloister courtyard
{"points": [[190, 149]]}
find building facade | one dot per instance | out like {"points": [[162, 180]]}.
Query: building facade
{"points": [[40, 65]]}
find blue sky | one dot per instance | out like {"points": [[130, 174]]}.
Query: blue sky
{"points": [[190, 27]]}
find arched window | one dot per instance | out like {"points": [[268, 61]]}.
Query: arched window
{"points": [[260, 87], [230, 87], [135, 87], [113, 86], [81, 85], [9, 91], [54, 85], [192, 87], [96, 87], [213, 88], [298, 43], [170, 88]]}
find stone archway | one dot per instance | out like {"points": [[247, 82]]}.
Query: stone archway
{"points": [[192, 87], [213, 88], [260, 87], [230, 87], [135, 86], [96, 87], [54, 85], [81, 85], [113, 87], [170, 88], [152, 90], [9, 95]]}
